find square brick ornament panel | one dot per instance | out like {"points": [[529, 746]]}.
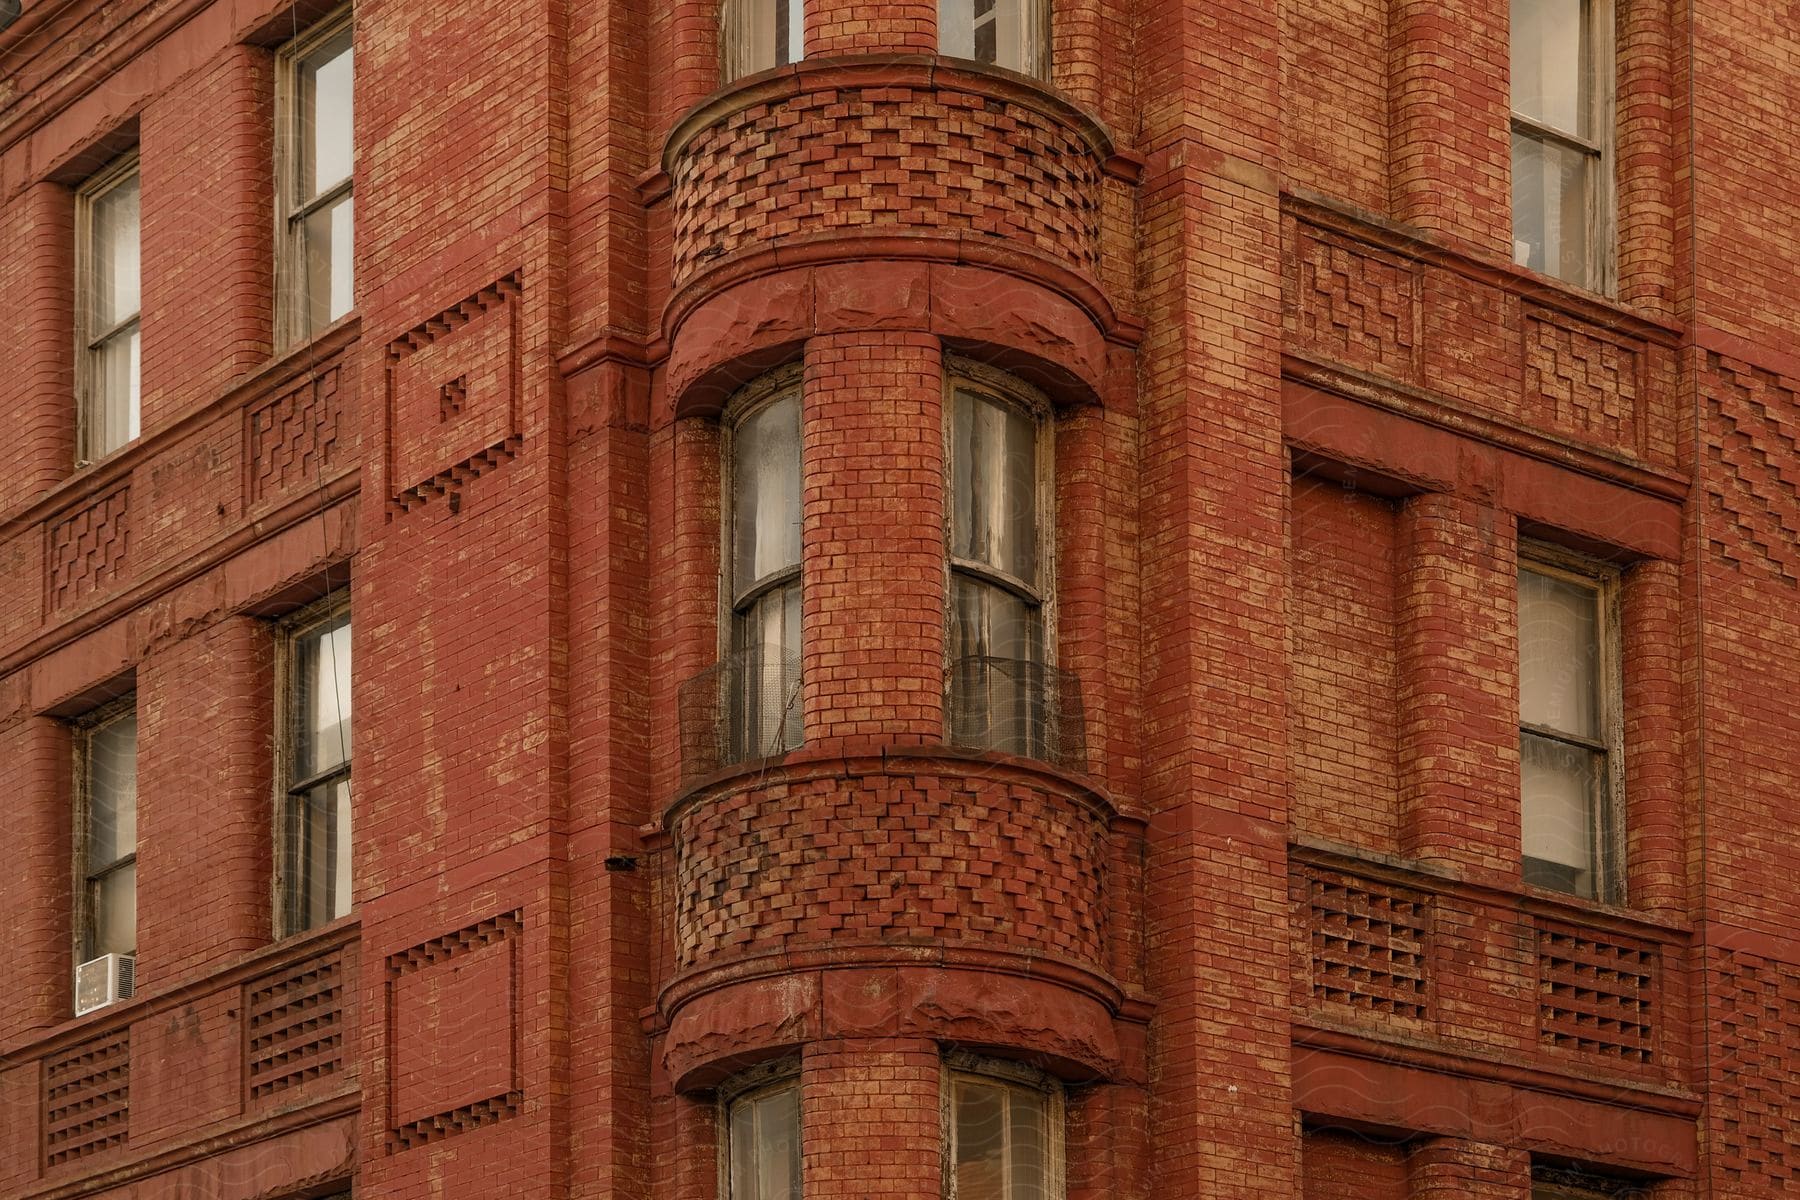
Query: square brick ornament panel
{"points": [[453, 1033], [453, 396]]}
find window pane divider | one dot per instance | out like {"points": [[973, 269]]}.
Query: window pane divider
{"points": [[324, 199], [1538, 129], [766, 584], [329, 775], [117, 864], [122, 327], [993, 575], [1567, 739]]}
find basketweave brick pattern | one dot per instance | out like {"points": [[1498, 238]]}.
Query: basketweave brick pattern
{"points": [[87, 1099], [1580, 382], [296, 1026], [1757, 1028], [856, 160], [88, 548], [454, 1031], [1752, 484], [1356, 305], [895, 857], [1368, 944], [294, 438], [1596, 995]]}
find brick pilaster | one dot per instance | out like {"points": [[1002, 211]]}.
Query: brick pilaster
{"points": [[873, 537], [1458, 668]]}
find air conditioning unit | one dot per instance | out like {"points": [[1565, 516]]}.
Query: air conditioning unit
{"points": [[103, 981]]}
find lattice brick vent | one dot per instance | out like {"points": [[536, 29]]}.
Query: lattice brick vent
{"points": [[1368, 945], [296, 1025], [1594, 994], [87, 1099]]}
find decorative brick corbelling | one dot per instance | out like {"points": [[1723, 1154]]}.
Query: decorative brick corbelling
{"points": [[880, 148], [898, 851]]}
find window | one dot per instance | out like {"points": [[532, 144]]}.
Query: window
{"points": [[997, 676], [762, 573], [107, 303], [315, 159], [1568, 717], [313, 855], [1003, 1136], [762, 1143], [760, 34], [1014, 34], [1557, 1183], [106, 831], [1561, 134]]}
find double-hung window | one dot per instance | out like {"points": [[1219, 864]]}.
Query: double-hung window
{"points": [[762, 1143], [106, 841], [760, 34], [1561, 139], [316, 154], [998, 681], [1014, 34], [762, 575], [1002, 1137], [313, 854], [1568, 722], [107, 302]]}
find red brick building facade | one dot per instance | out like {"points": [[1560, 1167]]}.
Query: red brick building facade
{"points": [[1057, 599]]}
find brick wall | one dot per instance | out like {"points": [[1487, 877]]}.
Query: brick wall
{"points": [[1304, 413]]}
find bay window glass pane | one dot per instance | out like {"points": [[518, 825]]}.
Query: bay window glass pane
{"points": [[1552, 76], [765, 1146], [765, 509], [1559, 655], [112, 906], [765, 683], [326, 102], [1559, 797], [322, 718], [1002, 1142], [990, 621], [1004, 33], [114, 229], [1028, 1150], [1552, 207], [328, 235], [980, 1140], [316, 855], [994, 494], [760, 34], [112, 792]]}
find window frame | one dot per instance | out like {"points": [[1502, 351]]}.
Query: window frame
{"points": [[762, 392], [1599, 143], [289, 631], [963, 1065], [83, 939], [734, 45], [1570, 1183], [760, 1080], [1036, 39], [293, 323], [1019, 396], [87, 339], [1609, 824]]}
